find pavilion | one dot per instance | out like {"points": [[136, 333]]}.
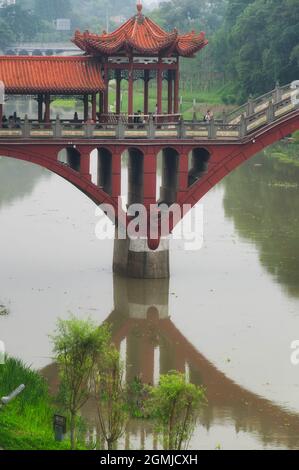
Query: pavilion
{"points": [[138, 49]]}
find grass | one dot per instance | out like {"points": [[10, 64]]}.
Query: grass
{"points": [[204, 99], [26, 423], [296, 136], [67, 104], [207, 98], [286, 153]]}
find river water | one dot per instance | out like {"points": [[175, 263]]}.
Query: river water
{"points": [[227, 317]]}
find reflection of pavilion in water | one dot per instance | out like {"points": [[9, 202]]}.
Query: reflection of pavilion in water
{"points": [[150, 345]]}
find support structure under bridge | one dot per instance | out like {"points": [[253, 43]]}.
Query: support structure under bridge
{"points": [[193, 161], [195, 155]]}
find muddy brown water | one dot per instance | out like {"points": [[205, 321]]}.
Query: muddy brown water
{"points": [[226, 318]]}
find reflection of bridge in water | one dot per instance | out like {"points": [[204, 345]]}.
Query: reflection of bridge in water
{"points": [[151, 345]]}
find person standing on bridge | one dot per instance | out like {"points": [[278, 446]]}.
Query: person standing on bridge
{"points": [[209, 116]]}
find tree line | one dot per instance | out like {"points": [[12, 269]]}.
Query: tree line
{"points": [[252, 43], [34, 20]]}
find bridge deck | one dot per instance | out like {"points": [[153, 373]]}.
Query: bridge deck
{"points": [[240, 123]]}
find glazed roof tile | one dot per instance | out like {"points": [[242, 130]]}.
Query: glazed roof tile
{"points": [[66, 75], [141, 35]]}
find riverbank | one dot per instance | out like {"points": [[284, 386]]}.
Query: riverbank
{"points": [[197, 100], [26, 423], [285, 151]]}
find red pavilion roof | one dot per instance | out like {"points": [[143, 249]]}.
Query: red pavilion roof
{"points": [[65, 75], [141, 35]]}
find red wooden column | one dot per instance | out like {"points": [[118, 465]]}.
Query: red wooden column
{"points": [[94, 107], [1, 114], [106, 92], [131, 89], [47, 110], [150, 177], [85, 163], [170, 91], [118, 92], [176, 90], [159, 87], [116, 172], [101, 103], [86, 106], [146, 86], [40, 108]]}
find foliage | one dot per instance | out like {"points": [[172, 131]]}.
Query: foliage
{"points": [[110, 397], [78, 345], [18, 24], [26, 423], [191, 14], [99, 15], [174, 405], [53, 9], [296, 136], [137, 395], [258, 44], [6, 34]]}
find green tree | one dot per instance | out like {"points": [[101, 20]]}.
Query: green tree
{"points": [[111, 397], [174, 405], [258, 45], [6, 34], [23, 24], [53, 9], [191, 14], [78, 347]]}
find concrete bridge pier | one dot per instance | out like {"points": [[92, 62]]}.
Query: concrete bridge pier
{"points": [[134, 259]]}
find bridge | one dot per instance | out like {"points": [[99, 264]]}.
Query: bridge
{"points": [[41, 48], [195, 155]]}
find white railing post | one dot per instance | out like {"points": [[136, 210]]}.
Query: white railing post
{"points": [[151, 127], [182, 130], [89, 129], [250, 106], [270, 112], [26, 127], [120, 129], [242, 128], [212, 129], [277, 93], [57, 127]]}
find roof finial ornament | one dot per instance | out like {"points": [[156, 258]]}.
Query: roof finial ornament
{"points": [[139, 6]]}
